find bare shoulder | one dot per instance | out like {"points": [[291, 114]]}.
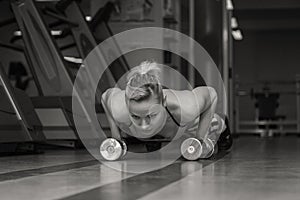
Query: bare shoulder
{"points": [[182, 103], [204, 96], [115, 102], [190, 103], [204, 92], [179, 97]]}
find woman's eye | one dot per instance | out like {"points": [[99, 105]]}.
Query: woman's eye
{"points": [[135, 117], [152, 115]]}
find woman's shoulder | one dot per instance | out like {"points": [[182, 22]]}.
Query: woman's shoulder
{"points": [[182, 103], [180, 97], [117, 105], [177, 93], [191, 98]]}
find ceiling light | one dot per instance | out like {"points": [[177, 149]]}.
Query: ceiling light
{"points": [[234, 23], [73, 59], [88, 18], [237, 34], [229, 5]]}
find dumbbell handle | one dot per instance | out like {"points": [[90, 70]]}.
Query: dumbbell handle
{"points": [[208, 148]]}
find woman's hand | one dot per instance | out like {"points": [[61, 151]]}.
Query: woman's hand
{"points": [[206, 103], [217, 126]]}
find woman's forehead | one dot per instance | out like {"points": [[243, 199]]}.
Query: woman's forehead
{"points": [[144, 107]]}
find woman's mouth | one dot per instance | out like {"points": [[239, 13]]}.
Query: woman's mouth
{"points": [[148, 130]]}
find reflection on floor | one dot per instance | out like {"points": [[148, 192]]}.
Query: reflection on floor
{"points": [[256, 168]]}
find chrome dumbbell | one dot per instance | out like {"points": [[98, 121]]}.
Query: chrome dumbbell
{"points": [[193, 149], [113, 149]]}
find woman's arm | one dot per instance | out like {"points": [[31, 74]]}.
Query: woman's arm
{"points": [[206, 101], [106, 103], [217, 127], [218, 124]]}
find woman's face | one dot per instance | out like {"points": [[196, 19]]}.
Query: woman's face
{"points": [[148, 116]]}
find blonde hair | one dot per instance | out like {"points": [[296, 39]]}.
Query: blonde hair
{"points": [[143, 82]]}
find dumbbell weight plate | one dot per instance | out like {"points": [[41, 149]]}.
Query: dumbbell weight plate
{"points": [[124, 148], [191, 149], [111, 149]]}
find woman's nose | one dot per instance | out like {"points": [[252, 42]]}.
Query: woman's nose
{"points": [[145, 122]]}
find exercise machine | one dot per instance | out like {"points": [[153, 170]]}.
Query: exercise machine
{"points": [[52, 78], [20, 127], [266, 122]]}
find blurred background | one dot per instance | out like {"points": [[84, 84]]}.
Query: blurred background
{"points": [[254, 45], [43, 43]]}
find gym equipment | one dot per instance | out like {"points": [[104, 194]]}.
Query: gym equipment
{"points": [[266, 122], [20, 128], [51, 76], [16, 72], [69, 15], [88, 35], [112, 149], [193, 149]]}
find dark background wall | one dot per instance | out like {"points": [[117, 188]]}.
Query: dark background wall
{"points": [[208, 30], [268, 57], [269, 51]]}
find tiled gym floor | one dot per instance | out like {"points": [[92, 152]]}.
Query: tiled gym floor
{"points": [[256, 168]]}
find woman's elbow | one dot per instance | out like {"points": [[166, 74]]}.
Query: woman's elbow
{"points": [[212, 94], [103, 97]]}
